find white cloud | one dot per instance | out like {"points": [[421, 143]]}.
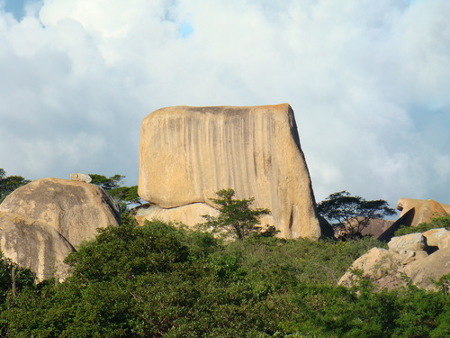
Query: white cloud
{"points": [[368, 81]]}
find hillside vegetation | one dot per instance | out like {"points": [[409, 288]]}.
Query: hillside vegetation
{"points": [[160, 280]]}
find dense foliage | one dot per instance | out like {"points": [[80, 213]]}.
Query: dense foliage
{"points": [[158, 280], [9, 183]]}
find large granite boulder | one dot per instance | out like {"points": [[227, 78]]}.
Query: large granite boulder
{"points": [[423, 211], [34, 245], [189, 153], [74, 209]]}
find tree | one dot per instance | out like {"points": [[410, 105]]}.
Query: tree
{"points": [[107, 183], [236, 217], [124, 196], [9, 183], [352, 213]]}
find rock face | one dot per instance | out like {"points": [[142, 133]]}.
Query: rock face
{"points": [[189, 153], [409, 259], [73, 208], [34, 245], [41, 222], [423, 210]]}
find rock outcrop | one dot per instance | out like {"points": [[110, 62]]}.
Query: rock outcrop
{"points": [[423, 211], [73, 208], [189, 153], [34, 245], [42, 221], [410, 259]]}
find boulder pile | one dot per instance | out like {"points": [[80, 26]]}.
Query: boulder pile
{"points": [[418, 258]]}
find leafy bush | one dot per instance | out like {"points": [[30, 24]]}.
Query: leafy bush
{"points": [[437, 222]]}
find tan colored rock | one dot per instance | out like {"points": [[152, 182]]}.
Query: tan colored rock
{"points": [[410, 242], [444, 241], [424, 271], [424, 210], [434, 235], [74, 209], [81, 177], [379, 265], [34, 245], [404, 264], [184, 214], [189, 153]]}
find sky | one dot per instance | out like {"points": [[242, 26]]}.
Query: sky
{"points": [[369, 82]]}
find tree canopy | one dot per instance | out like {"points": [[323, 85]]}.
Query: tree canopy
{"points": [[9, 183], [236, 217], [124, 195], [341, 207]]}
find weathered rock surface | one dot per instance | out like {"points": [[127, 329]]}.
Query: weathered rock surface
{"points": [[412, 242], [377, 264], [34, 245], [191, 213], [189, 153], [74, 209], [423, 210], [436, 236], [424, 271], [406, 261]]}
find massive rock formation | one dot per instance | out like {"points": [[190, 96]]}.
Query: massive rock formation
{"points": [[41, 222], [189, 153], [423, 211]]}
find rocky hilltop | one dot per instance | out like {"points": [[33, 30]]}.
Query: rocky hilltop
{"points": [[189, 153]]}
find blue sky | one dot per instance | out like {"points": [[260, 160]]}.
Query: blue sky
{"points": [[368, 81], [17, 7]]}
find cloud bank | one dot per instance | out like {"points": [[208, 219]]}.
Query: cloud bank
{"points": [[368, 81]]}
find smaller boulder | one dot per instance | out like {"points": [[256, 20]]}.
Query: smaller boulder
{"points": [[444, 241], [81, 177], [434, 235], [412, 242], [75, 209], [425, 272]]}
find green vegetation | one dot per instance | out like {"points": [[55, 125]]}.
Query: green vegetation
{"points": [[236, 218], [125, 196], [437, 222], [159, 280], [9, 183]]}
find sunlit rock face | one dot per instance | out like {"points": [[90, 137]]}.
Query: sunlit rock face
{"points": [[422, 211], [189, 153], [73, 208], [34, 245], [45, 220]]}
